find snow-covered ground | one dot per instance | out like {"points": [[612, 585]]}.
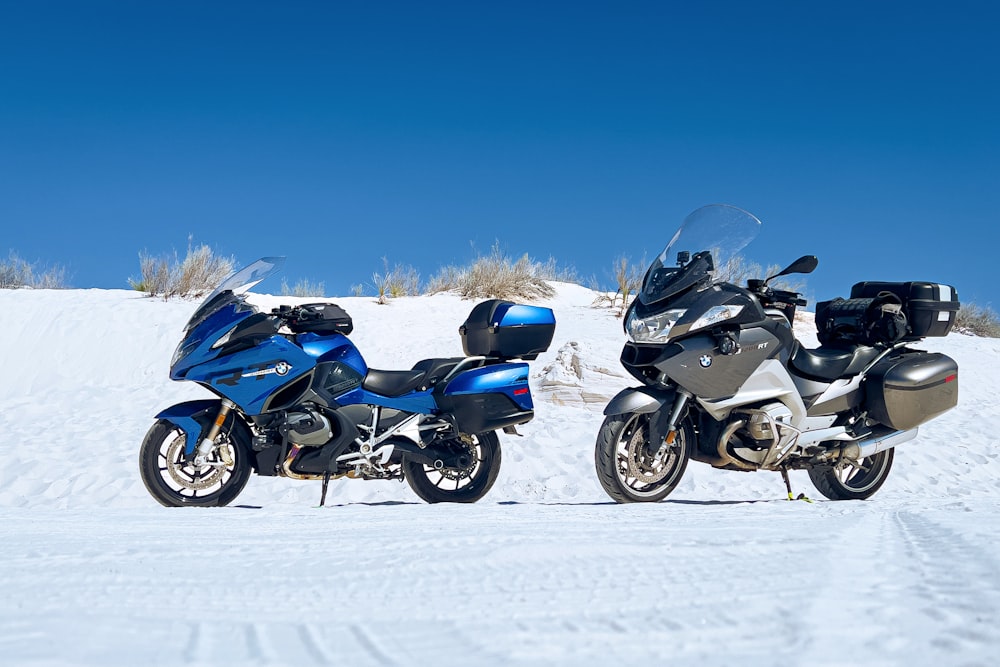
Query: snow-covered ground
{"points": [[544, 570]]}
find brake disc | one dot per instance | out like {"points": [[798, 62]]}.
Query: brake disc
{"points": [[185, 474], [643, 466]]}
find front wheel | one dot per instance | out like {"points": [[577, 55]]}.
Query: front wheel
{"points": [[174, 481], [853, 481], [627, 468], [458, 485]]}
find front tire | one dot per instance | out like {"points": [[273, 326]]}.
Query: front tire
{"points": [[845, 481], [458, 485], [176, 482], [626, 469]]}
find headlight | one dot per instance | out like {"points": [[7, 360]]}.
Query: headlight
{"points": [[178, 351], [653, 329], [224, 338], [716, 314], [184, 348]]}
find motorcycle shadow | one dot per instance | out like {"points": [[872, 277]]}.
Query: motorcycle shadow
{"points": [[704, 503]]}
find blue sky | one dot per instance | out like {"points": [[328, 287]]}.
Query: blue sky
{"points": [[339, 133]]}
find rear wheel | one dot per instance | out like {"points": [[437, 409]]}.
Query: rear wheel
{"points": [[628, 470], [853, 481], [458, 485], [174, 481]]}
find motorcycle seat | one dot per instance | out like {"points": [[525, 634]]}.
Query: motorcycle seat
{"points": [[832, 363], [391, 383], [436, 369], [396, 383]]}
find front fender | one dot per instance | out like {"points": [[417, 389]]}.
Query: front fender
{"points": [[639, 399], [182, 415]]}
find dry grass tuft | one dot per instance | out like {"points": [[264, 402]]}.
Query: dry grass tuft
{"points": [[16, 273], [497, 276], [977, 321], [400, 280], [303, 288], [198, 273]]}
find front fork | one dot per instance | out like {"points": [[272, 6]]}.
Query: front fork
{"points": [[664, 431], [206, 446]]}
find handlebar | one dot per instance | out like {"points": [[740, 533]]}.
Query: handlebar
{"points": [[287, 312], [783, 296], [769, 295]]}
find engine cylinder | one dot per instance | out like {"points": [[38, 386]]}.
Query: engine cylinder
{"points": [[308, 428]]}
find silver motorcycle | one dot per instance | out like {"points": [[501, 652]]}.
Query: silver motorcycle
{"points": [[724, 381]]}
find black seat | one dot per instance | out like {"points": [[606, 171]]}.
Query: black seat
{"points": [[396, 383], [832, 363], [436, 369], [392, 383]]}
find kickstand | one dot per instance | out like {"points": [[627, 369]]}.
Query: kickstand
{"points": [[326, 483], [788, 485]]}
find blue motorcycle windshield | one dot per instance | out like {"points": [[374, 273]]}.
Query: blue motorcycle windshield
{"points": [[237, 283], [719, 231]]}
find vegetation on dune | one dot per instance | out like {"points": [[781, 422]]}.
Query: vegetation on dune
{"points": [[16, 272], [498, 276], [302, 288], [198, 273], [400, 280], [493, 276], [977, 321]]}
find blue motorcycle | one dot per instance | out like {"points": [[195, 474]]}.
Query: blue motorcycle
{"points": [[296, 399]]}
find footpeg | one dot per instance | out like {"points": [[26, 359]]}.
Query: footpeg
{"points": [[510, 430]]}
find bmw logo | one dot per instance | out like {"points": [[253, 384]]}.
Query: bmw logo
{"points": [[705, 361], [282, 368]]}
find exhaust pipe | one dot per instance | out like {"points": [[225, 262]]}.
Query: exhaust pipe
{"points": [[874, 445]]}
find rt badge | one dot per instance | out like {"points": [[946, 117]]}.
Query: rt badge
{"points": [[705, 361]]}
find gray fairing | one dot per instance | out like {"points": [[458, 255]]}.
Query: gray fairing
{"points": [[639, 399]]}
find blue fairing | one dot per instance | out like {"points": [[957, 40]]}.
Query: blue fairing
{"points": [[182, 416], [249, 377], [333, 348], [416, 401], [196, 347], [510, 379]]}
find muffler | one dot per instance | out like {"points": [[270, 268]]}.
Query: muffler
{"points": [[875, 444]]}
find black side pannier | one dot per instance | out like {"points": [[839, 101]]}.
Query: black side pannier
{"points": [[930, 308], [320, 318], [907, 390], [507, 330], [877, 321]]}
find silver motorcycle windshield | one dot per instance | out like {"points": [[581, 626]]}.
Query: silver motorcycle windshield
{"points": [[720, 229]]}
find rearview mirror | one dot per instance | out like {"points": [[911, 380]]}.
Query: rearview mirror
{"points": [[804, 264]]}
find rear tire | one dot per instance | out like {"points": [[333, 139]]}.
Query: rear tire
{"points": [[458, 485], [846, 482], [627, 471], [175, 482]]}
